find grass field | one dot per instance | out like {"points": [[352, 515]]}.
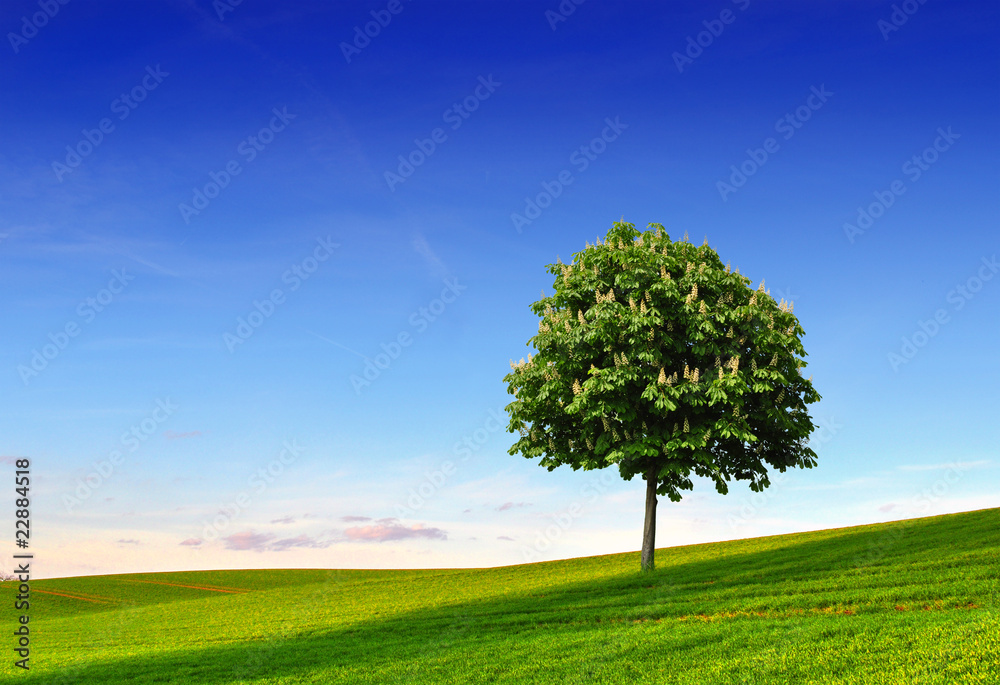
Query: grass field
{"points": [[908, 602]]}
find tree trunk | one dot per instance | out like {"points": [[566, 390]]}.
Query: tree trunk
{"points": [[649, 530]]}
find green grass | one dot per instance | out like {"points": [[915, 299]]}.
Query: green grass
{"points": [[908, 602]]}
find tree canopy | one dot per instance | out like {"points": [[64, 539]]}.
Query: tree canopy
{"points": [[655, 357]]}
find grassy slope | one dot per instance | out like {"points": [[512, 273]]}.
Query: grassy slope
{"points": [[906, 602]]}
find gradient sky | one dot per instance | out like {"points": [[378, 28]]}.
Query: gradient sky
{"points": [[168, 169]]}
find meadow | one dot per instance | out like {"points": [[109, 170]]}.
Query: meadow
{"points": [[910, 602]]}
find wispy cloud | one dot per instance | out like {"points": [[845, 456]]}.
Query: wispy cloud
{"points": [[14, 231], [128, 542], [352, 519], [510, 505], [171, 435], [961, 465], [437, 266], [504, 537], [335, 343], [123, 247], [287, 519], [192, 542], [850, 484], [299, 541]]}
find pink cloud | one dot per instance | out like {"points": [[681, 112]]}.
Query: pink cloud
{"points": [[887, 507], [248, 540], [352, 519], [300, 541], [511, 505], [264, 542], [287, 519], [384, 532], [192, 542]]}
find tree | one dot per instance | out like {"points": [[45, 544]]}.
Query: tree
{"points": [[654, 357]]}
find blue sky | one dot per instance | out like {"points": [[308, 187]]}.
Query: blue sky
{"points": [[213, 216]]}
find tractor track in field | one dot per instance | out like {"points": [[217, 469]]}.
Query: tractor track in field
{"points": [[91, 598], [232, 591]]}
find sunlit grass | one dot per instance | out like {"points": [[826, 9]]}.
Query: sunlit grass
{"points": [[906, 602]]}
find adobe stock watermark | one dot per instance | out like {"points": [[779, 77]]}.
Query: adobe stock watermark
{"points": [[929, 496], [222, 7], [127, 616], [786, 125], [130, 441], [264, 309], [697, 44], [455, 116], [432, 482], [562, 12], [257, 483], [563, 520], [440, 645], [123, 105], [785, 294], [420, 320], [913, 168], [901, 14], [753, 503], [923, 502], [581, 158], [260, 653], [30, 26], [435, 480], [958, 297], [363, 37], [87, 311], [464, 448], [249, 148]]}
